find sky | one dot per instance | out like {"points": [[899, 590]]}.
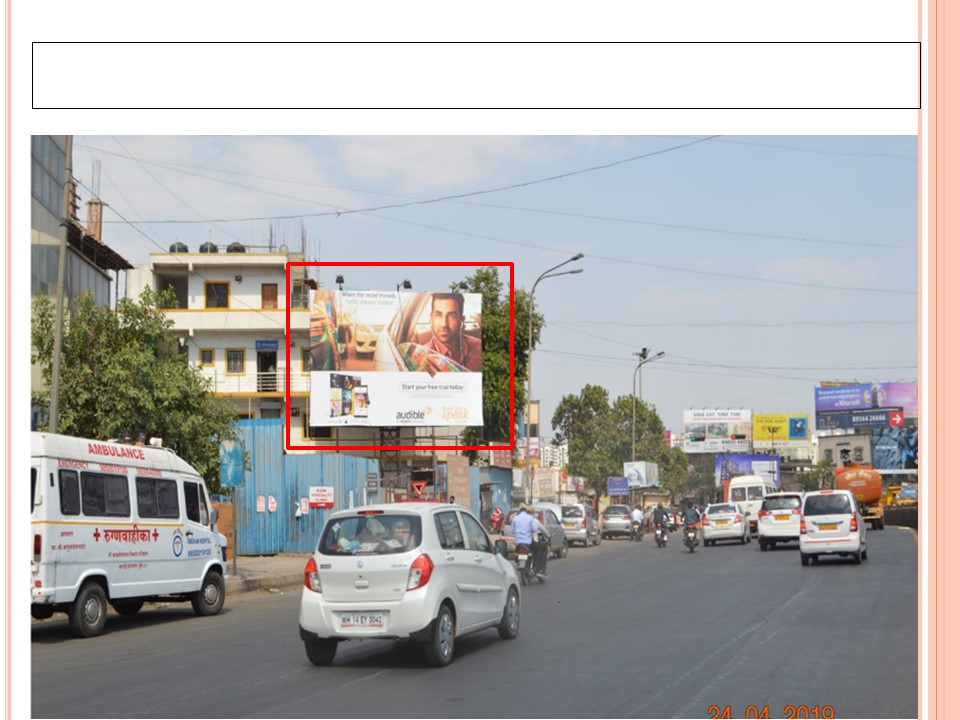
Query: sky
{"points": [[759, 265]]}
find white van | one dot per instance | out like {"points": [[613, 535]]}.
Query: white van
{"points": [[748, 490], [119, 524]]}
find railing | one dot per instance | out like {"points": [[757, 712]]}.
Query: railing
{"points": [[257, 382]]}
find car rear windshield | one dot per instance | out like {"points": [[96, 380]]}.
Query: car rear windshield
{"points": [[826, 504], [371, 535], [572, 511], [617, 510], [718, 509], [781, 503]]}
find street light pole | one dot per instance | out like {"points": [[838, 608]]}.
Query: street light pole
{"points": [[543, 276], [643, 358]]}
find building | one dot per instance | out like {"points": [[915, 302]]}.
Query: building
{"points": [[553, 456]]}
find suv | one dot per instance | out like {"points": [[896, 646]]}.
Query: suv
{"points": [[778, 519], [831, 524], [615, 520], [580, 523]]}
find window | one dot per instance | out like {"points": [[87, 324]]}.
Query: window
{"points": [[315, 433], [755, 492], [236, 361], [103, 494], [218, 295], [826, 504], [368, 535], [69, 492], [305, 361], [268, 296], [33, 488], [828, 455], [476, 538], [448, 528], [858, 454], [208, 356], [738, 494], [196, 503], [157, 498]]}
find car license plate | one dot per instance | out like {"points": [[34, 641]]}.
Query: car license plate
{"points": [[361, 620], [781, 517], [827, 526], [722, 522], [569, 524]]}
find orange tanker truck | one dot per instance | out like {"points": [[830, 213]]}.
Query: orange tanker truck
{"points": [[867, 487]]}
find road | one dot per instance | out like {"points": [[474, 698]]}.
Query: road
{"points": [[623, 630]]}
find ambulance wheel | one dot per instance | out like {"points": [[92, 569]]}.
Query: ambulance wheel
{"points": [[209, 599], [88, 613]]}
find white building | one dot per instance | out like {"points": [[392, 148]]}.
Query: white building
{"points": [[553, 456]]}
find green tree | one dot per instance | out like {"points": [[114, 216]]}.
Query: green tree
{"points": [[819, 478], [497, 370], [121, 374]]}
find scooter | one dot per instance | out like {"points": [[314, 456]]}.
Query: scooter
{"points": [[525, 565], [661, 534], [636, 532], [496, 521], [690, 537]]}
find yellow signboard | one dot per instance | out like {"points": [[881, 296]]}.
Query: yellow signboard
{"points": [[769, 430]]}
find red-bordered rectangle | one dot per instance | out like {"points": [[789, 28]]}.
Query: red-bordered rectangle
{"points": [[424, 448]]}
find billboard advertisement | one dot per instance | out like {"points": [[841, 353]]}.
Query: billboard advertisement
{"points": [[867, 396], [730, 466], [879, 418], [641, 474], [617, 486], [713, 431], [383, 359], [771, 431], [895, 448]]}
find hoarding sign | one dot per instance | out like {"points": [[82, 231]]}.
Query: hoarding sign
{"points": [[712, 431], [878, 418], [867, 396], [231, 463], [728, 466], [770, 431], [641, 474], [321, 496], [617, 486], [388, 359]]}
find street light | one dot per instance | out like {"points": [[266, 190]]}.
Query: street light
{"points": [[643, 358], [543, 276], [339, 282], [406, 285]]}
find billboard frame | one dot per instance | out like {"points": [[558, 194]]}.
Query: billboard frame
{"points": [[288, 444]]}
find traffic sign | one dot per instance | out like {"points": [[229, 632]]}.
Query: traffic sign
{"points": [[418, 486]]}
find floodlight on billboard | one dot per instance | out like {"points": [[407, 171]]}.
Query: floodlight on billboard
{"points": [[384, 358]]}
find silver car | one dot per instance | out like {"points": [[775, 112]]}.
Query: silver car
{"points": [[615, 520], [580, 523], [548, 518]]}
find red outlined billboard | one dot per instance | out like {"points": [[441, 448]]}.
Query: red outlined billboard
{"points": [[288, 443]]}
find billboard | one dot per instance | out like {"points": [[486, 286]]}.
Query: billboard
{"points": [[867, 396], [381, 359], [729, 466], [879, 418], [713, 431], [641, 474], [617, 486], [771, 431]]}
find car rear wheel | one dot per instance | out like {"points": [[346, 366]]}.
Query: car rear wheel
{"points": [[510, 622], [804, 559], [764, 545], [439, 648], [564, 549], [321, 652]]}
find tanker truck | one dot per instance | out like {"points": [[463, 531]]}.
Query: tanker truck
{"points": [[867, 487]]}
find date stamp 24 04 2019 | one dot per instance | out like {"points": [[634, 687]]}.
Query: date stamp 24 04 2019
{"points": [[762, 712]]}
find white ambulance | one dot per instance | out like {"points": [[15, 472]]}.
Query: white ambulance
{"points": [[119, 524]]}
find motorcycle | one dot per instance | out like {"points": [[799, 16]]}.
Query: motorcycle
{"points": [[636, 532], [526, 565], [690, 538], [661, 534], [496, 521]]}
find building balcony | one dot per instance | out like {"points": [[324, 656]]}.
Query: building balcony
{"points": [[257, 383]]}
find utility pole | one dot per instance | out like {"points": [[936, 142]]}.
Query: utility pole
{"points": [[61, 279]]}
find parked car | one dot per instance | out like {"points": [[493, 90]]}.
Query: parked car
{"points": [[725, 521], [406, 571], [779, 518], [615, 520], [365, 336], [550, 520], [831, 524], [580, 523]]}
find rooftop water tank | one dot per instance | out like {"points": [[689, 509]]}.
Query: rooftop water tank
{"points": [[236, 247], [179, 247], [209, 247]]}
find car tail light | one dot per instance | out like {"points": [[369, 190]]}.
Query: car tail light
{"points": [[738, 519], [795, 511], [420, 572], [803, 526], [853, 524], [763, 513], [706, 521], [583, 523], [37, 542], [370, 512], [311, 576]]}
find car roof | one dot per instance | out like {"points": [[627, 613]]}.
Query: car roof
{"points": [[410, 508]]}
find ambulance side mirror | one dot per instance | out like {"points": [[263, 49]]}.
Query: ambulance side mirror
{"points": [[214, 515]]}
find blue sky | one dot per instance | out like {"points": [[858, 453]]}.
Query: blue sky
{"points": [[760, 265]]}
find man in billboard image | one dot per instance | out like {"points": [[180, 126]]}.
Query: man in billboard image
{"points": [[446, 319]]}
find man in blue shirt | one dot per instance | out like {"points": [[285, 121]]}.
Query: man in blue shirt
{"points": [[524, 526]]}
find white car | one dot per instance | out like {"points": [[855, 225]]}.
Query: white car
{"points": [[831, 524], [779, 518], [725, 521], [423, 571]]}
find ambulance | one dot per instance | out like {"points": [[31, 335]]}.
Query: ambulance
{"points": [[119, 525]]}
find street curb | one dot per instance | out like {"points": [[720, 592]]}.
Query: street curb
{"points": [[242, 584]]}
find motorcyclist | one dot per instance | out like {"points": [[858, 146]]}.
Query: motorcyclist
{"points": [[691, 516], [660, 517], [637, 517], [525, 526]]}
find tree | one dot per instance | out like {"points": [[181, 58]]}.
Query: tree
{"points": [[497, 371], [820, 477], [121, 374]]}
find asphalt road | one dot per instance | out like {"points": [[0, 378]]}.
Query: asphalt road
{"points": [[622, 630]]}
